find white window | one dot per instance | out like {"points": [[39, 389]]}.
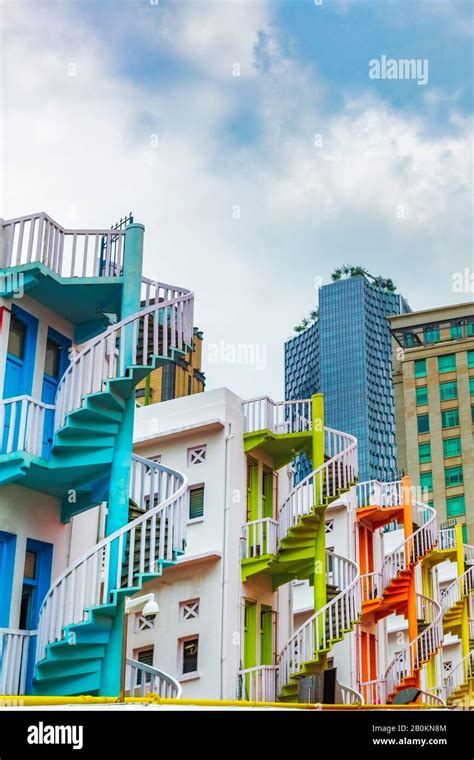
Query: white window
{"points": [[143, 623], [197, 455], [447, 666], [329, 526], [189, 610]]}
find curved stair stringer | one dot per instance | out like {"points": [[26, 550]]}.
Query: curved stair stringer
{"points": [[453, 599], [92, 396], [300, 515], [403, 670], [391, 585], [94, 390], [303, 652], [77, 613], [459, 685]]}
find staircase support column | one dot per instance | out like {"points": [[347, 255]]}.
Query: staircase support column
{"points": [[427, 585], [118, 501], [319, 576], [465, 599], [411, 594]]}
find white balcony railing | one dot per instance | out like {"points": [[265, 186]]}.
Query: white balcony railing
{"points": [[14, 648], [22, 421], [259, 684], [70, 253], [259, 537], [375, 493], [277, 417], [447, 538]]}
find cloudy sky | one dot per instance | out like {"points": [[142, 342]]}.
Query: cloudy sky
{"points": [[249, 139]]}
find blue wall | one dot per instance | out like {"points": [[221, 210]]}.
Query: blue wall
{"points": [[7, 566]]}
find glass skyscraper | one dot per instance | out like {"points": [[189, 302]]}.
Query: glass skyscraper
{"points": [[347, 355]]}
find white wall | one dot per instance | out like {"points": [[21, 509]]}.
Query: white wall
{"points": [[169, 429]]}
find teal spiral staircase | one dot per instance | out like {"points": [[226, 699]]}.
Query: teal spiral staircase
{"points": [[94, 399]]}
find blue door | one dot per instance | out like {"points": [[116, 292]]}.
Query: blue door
{"points": [[36, 582], [55, 365], [20, 364]]}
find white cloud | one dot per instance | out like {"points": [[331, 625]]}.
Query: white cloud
{"points": [[79, 148]]}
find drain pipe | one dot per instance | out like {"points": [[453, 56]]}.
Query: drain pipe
{"points": [[225, 580]]}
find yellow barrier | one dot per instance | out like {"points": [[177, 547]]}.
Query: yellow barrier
{"points": [[29, 701]]}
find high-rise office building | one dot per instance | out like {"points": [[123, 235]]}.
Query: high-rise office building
{"points": [[346, 355], [434, 398]]}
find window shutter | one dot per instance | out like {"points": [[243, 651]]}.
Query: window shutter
{"points": [[196, 503]]}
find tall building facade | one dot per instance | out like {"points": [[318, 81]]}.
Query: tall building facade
{"points": [[346, 355], [434, 397]]}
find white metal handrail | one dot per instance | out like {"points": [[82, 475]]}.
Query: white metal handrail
{"points": [[104, 357], [350, 696], [374, 692], [278, 417], [22, 424], [468, 554], [336, 474], [463, 671], [259, 537], [433, 697], [327, 625], [375, 493], [422, 648], [413, 548], [447, 538], [459, 588], [259, 684], [140, 547], [149, 680], [37, 238], [14, 648], [370, 586], [153, 291]]}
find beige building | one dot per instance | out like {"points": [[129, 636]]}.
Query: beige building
{"points": [[433, 373], [183, 377]]}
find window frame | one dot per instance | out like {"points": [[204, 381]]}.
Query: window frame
{"points": [[182, 675], [196, 487]]}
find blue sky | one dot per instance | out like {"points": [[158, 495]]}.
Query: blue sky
{"points": [[238, 200]]}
